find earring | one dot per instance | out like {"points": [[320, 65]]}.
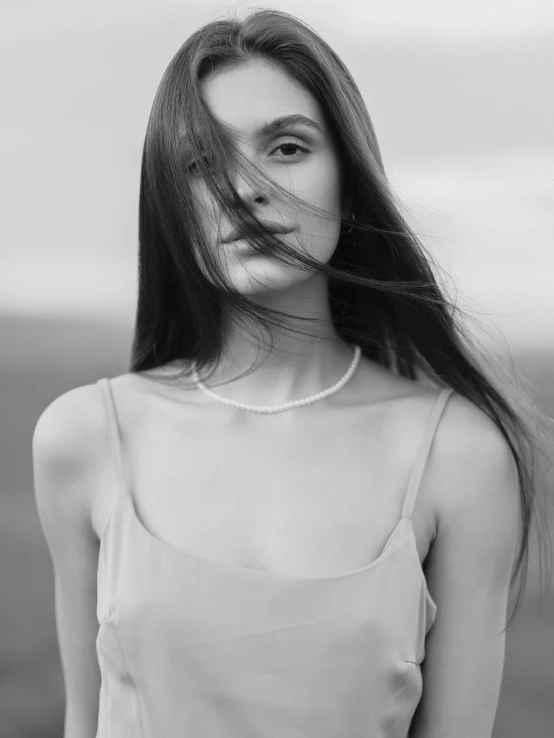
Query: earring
{"points": [[353, 218]]}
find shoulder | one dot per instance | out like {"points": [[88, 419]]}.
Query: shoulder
{"points": [[68, 445], [472, 474], [471, 441], [68, 423]]}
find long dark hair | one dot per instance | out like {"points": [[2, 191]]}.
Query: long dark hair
{"points": [[383, 293]]}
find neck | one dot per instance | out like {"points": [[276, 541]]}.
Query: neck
{"points": [[299, 365]]}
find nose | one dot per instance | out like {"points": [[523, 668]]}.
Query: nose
{"points": [[250, 188]]}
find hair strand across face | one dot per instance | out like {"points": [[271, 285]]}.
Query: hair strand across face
{"points": [[383, 292]]}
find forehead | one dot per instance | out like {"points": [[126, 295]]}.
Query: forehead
{"points": [[256, 92]]}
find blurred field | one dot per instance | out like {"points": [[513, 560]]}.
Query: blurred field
{"points": [[41, 359]]}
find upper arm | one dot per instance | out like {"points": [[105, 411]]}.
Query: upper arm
{"points": [[473, 478], [66, 445]]}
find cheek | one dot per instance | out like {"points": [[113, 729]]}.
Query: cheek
{"points": [[322, 189], [321, 231]]}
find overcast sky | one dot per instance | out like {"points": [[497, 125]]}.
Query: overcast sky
{"points": [[445, 19], [459, 93]]}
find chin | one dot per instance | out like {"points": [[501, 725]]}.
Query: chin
{"points": [[261, 275]]}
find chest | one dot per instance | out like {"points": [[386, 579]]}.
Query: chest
{"points": [[306, 501]]}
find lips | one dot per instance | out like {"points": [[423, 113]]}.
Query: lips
{"points": [[272, 227]]}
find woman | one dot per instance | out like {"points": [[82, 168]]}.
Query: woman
{"points": [[301, 511]]}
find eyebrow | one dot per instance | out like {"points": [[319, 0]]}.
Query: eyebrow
{"points": [[277, 124], [271, 127]]}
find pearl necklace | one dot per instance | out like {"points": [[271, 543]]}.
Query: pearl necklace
{"points": [[295, 403]]}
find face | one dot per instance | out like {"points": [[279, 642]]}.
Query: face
{"points": [[299, 157]]}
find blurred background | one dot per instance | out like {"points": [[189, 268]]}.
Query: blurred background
{"points": [[460, 97]]}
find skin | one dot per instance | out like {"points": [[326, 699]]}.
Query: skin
{"points": [[246, 97]]}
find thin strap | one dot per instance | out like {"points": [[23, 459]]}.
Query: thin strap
{"points": [[424, 449], [113, 431]]}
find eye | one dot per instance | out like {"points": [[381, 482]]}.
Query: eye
{"points": [[294, 145]]}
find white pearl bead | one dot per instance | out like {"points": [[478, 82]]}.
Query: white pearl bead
{"points": [[287, 405]]}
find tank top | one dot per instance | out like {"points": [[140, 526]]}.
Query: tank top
{"points": [[193, 648]]}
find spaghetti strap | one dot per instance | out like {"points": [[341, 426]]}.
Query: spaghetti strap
{"points": [[424, 449], [113, 431]]}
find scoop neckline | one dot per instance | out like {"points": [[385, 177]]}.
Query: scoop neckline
{"points": [[388, 548]]}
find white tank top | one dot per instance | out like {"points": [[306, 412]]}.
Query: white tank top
{"points": [[194, 648]]}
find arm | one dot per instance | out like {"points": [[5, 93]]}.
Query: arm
{"points": [[65, 447], [473, 479]]}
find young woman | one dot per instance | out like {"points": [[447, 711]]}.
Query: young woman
{"points": [[301, 511]]}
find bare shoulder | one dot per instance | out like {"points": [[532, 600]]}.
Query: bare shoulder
{"points": [[471, 467], [69, 423], [68, 445]]}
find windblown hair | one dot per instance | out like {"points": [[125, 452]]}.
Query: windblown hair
{"points": [[383, 294]]}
